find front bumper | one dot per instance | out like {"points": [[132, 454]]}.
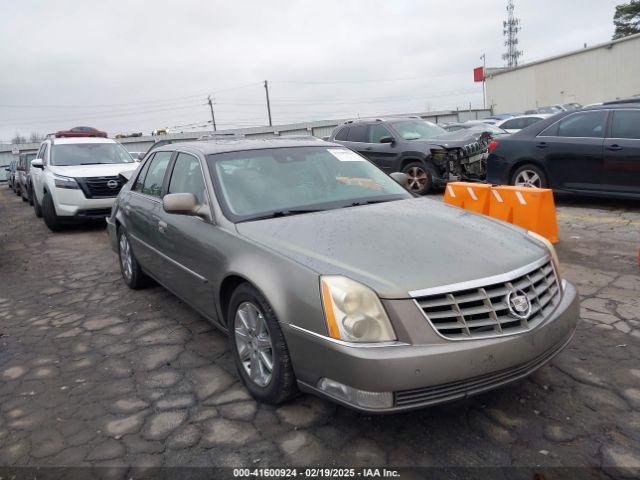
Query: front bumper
{"points": [[113, 234], [73, 203], [429, 373]]}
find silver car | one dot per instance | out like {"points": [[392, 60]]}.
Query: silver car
{"points": [[331, 278]]}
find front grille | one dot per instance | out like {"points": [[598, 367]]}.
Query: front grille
{"points": [[484, 312], [97, 187], [474, 385]]}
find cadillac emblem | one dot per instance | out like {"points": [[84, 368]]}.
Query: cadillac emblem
{"points": [[518, 304]]}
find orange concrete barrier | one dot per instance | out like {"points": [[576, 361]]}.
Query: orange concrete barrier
{"points": [[474, 197], [530, 208]]}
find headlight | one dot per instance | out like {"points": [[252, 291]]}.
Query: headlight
{"points": [[552, 251], [65, 182], [354, 312]]}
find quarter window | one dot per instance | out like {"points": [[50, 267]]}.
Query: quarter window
{"points": [[376, 132], [137, 187], [342, 134], [187, 177], [626, 124], [587, 124], [155, 176]]}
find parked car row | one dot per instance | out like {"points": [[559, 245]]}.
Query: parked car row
{"points": [[297, 248]]}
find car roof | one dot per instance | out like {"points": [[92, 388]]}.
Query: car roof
{"points": [[209, 147], [72, 140]]}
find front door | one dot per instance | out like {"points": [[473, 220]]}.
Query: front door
{"points": [[572, 150], [621, 172], [189, 260]]}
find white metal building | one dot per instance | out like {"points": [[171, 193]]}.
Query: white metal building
{"points": [[603, 72]]}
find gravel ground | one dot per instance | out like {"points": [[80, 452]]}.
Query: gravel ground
{"points": [[93, 373]]}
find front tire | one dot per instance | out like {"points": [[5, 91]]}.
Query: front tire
{"points": [[36, 206], [132, 273], [51, 219], [529, 176], [420, 179], [259, 348]]}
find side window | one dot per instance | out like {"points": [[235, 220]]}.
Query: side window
{"points": [[187, 177], [515, 124], [587, 124], [45, 150], [137, 187], [357, 133], [377, 131], [626, 124], [155, 175], [342, 134]]}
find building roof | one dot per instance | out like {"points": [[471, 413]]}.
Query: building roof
{"points": [[609, 44]]}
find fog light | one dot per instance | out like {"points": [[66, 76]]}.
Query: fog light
{"points": [[351, 395]]}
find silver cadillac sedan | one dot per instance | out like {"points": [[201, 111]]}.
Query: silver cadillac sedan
{"points": [[330, 278]]}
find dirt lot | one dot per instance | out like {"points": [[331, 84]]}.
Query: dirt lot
{"points": [[96, 374]]}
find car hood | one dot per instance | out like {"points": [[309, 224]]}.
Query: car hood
{"points": [[102, 170], [397, 247]]}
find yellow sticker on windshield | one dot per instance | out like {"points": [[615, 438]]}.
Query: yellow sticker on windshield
{"points": [[345, 155]]}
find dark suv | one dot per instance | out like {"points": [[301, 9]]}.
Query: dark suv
{"points": [[426, 152]]}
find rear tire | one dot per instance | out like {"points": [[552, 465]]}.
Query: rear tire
{"points": [[51, 219], [265, 367], [529, 176], [420, 179], [132, 273]]}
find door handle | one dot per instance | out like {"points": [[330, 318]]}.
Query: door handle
{"points": [[542, 145], [369, 148], [127, 209], [161, 226], [614, 148]]}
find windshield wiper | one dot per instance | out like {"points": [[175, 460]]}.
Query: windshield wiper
{"points": [[369, 202], [284, 213], [92, 163]]}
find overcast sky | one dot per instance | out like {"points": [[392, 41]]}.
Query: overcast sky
{"points": [[126, 66]]}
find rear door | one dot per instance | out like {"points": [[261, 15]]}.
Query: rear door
{"points": [[357, 139], [621, 170], [571, 150], [188, 258], [142, 208]]}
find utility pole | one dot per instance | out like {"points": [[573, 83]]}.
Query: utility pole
{"points": [[266, 89], [484, 75], [213, 117]]}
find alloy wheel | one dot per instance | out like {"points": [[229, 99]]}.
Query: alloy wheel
{"points": [[125, 257], [253, 343], [528, 178], [417, 178]]}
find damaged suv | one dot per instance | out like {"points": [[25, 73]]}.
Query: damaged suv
{"points": [[426, 152]]}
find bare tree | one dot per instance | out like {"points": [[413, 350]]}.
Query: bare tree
{"points": [[17, 139], [35, 137]]}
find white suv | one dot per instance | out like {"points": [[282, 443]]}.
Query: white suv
{"points": [[77, 178]]}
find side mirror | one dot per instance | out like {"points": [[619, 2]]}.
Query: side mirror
{"points": [[184, 204], [37, 163], [401, 178], [387, 140]]}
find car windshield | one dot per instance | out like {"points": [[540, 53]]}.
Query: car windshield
{"points": [[257, 184], [416, 129], [89, 154]]}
